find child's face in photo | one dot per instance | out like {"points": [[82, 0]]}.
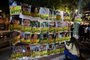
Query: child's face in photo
{"points": [[35, 36], [26, 22], [16, 22], [36, 10], [50, 37], [52, 24]]}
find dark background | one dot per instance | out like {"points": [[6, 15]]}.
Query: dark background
{"points": [[4, 6]]}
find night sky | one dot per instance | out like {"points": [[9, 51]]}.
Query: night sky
{"points": [[4, 6]]}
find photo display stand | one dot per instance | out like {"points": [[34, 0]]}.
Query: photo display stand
{"points": [[35, 37]]}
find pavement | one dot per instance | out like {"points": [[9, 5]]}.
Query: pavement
{"points": [[5, 55], [59, 58]]}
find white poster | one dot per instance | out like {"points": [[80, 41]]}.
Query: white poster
{"points": [[44, 11]]}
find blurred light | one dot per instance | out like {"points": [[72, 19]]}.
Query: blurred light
{"points": [[86, 14], [0, 10], [76, 10]]}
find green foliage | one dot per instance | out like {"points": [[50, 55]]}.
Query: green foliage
{"points": [[55, 4]]}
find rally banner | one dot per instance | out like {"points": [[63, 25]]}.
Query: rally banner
{"points": [[15, 10]]}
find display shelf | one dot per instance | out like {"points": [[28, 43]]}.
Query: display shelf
{"points": [[37, 37]]}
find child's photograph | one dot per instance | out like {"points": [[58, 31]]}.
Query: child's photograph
{"points": [[26, 22], [34, 47], [58, 24], [52, 24], [44, 24], [16, 20], [43, 47], [51, 46], [35, 24], [27, 35], [50, 37], [35, 38]]}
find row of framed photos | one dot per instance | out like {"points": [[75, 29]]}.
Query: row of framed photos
{"points": [[34, 51], [15, 19], [38, 38], [39, 45]]}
